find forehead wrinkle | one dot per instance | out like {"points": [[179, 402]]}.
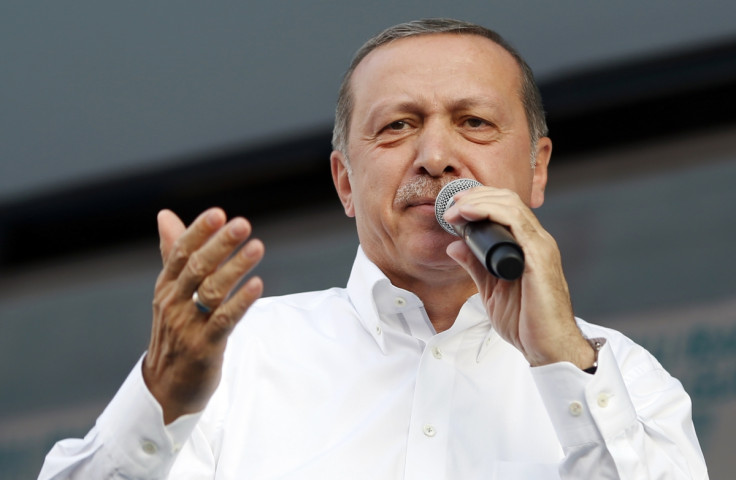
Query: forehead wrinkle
{"points": [[378, 63], [399, 104], [392, 105], [474, 101]]}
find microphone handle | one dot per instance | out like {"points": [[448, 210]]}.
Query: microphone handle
{"points": [[495, 247]]}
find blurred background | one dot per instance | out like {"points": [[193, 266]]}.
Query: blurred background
{"points": [[110, 112]]}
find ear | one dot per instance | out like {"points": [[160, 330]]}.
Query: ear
{"points": [[539, 181], [341, 179]]}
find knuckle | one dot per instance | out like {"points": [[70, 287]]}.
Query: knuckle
{"points": [[196, 266], [178, 254], [221, 318], [529, 229], [517, 211], [158, 305], [222, 323], [208, 292], [512, 194], [549, 239], [161, 302]]}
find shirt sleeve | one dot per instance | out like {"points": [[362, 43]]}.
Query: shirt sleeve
{"points": [[630, 419], [129, 440]]}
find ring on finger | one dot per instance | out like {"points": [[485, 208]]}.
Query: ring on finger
{"points": [[198, 303]]}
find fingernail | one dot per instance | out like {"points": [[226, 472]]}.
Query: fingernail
{"points": [[250, 250], [253, 285], [212, 218], [238, 229]]}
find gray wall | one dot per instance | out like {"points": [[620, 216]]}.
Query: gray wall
{"points": [[91, 89]]}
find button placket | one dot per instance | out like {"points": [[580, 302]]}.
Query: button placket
{"points": [[427, 448], [576, 408]]}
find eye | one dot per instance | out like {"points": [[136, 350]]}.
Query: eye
{"points": [[397, 125], [474, 122], [478, 130]]}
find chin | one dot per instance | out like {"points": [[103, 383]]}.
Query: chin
{"points": [[431, 250]]}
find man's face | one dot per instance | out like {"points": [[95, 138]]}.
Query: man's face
{"points": [[427, 110]]}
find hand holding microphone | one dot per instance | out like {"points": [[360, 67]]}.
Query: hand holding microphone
{"points": [[491, 243]]}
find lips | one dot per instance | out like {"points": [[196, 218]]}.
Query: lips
{"points": [[421, 201]]}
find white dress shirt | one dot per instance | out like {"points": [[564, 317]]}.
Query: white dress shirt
{"points": [[354, 383]]}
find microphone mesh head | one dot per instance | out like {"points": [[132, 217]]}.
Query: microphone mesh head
{"points": [[444, 199]]}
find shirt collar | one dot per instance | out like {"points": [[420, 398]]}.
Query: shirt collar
{"points": [[372, 293], [364, 278]]}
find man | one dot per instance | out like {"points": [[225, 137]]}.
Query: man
{"points": [[425, 366]]}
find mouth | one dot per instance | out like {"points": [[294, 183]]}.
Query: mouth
{"points": [[421, 202], [422, 208]]}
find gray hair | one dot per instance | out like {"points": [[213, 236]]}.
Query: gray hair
{"points": [[530, 97]]}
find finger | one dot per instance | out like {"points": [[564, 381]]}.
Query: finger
{"points": [[170, 227], [227, 315], [213, 290], [211, 255], [190, 240], [481, 203], [460, 252], [504, 207]]}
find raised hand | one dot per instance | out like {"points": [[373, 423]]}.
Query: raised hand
{"points": [[183, 365], [533, 313]]}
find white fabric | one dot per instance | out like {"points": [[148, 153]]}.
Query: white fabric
{"points": [[355, 384]]}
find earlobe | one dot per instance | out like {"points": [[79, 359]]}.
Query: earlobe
{"points": [[539, 181], [341, 179]]}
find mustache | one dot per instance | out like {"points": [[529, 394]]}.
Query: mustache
{"points": [[419, 189]]}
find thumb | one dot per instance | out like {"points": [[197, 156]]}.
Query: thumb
{"points": [[170, 228]]}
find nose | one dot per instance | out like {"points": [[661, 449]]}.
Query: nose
{"points": [[437, 153]]}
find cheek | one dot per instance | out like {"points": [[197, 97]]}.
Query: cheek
{"points": [[378, 179], [370, 194], [513, 174]]}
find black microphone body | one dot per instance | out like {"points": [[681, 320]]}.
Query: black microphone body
{"points": [[491, 243]]}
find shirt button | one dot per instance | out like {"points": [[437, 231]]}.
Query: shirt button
{"points": [[378, 330], [149, 447], [576, 409], [400, 302], [603, 400], [429, 430], [437, 352]]}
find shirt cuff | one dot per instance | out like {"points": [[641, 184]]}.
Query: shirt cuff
{"points": [[585, 408], [133, 432]]}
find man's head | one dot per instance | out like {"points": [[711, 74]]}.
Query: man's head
{"points": [[422, 110], [528, 89]]}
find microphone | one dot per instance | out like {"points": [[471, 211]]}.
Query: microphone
{"points": [[491, 243]]}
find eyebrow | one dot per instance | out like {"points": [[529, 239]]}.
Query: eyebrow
{"points": [[476, 101], [413, 106], [376, 110]]}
